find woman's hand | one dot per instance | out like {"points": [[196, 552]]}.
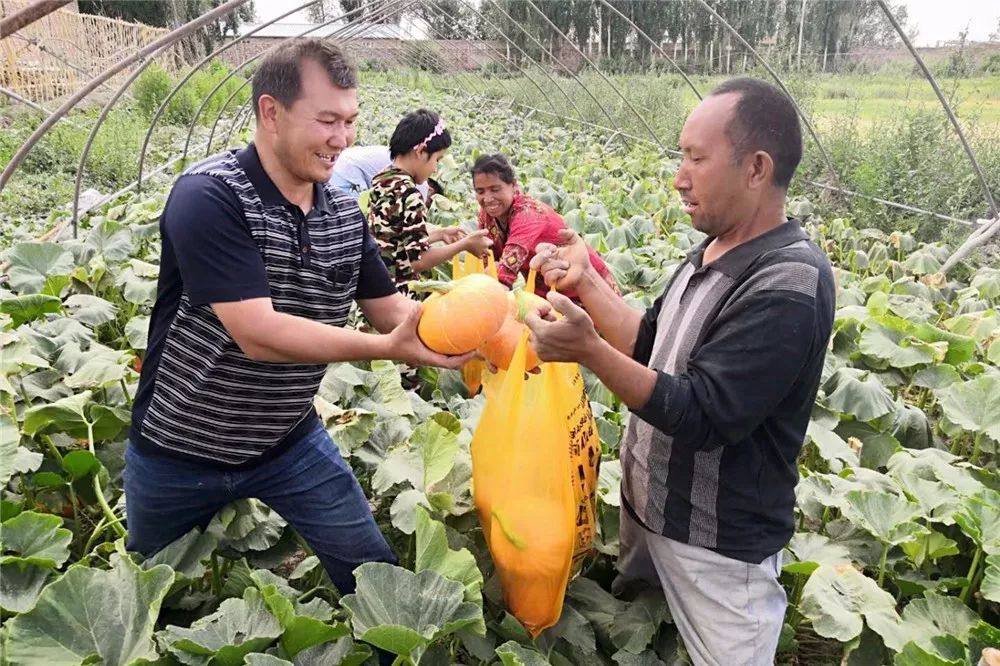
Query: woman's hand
{"points": [[477, 243], [447, 235]]}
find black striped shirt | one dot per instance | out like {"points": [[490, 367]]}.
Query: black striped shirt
{"points": [[227, 235]]}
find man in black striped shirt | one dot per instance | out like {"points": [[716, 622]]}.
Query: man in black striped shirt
{"points": [[261, 262], [720, 374]]}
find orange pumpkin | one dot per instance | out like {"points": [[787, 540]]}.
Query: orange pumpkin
{"points": [[531, 541], [463, 314], [499, 349]]}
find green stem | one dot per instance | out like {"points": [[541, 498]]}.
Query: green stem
{"points": [[12, 406], [128, 398], [922, 402], [975, 448], [101, 499], [310, 593], [28, 495], [98, 530], [52, 449], [93, 536], [973, 570], [75, 502], [881, 565], [956, 444], [216, 576]]}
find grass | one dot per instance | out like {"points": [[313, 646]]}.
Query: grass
{"points": [[886, 133]]}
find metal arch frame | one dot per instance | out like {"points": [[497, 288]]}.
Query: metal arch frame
{"points": [[655, 45], [832, 188], [245, 83], [347, 27], [542, 69], [81, 166], [350, 25], [597, 69], [523, 70], [163, 105], [675, 153], [947, 108], [504, 59], [555, 60], [763, 61], [166, 40]]}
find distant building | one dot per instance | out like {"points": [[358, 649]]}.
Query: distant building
{"points": [[371, 45]]}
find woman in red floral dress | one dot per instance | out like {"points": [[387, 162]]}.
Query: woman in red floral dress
{"points": [[516, 222]]}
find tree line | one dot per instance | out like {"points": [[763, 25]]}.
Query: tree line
{"points": [[817, 34]]}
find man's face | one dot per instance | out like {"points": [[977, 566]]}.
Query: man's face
{"points": [[310, 134], [712, 186]]}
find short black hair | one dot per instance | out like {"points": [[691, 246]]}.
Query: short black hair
{"points": [[496, 164], [764, 119], [280, 73], [413, 129]]}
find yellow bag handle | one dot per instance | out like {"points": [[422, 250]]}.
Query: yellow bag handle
{"points": [[465, 263], [532, 279]]}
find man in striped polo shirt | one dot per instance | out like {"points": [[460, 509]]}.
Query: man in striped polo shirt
{"points": [[261, 261], [720, 374]]}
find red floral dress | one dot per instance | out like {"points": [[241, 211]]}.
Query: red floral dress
{"points": [[530, 222]]}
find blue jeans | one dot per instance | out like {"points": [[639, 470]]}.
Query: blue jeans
{"points": [[309, 485]]}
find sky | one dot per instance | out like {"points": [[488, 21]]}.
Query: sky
{"points": [[935, 20]]}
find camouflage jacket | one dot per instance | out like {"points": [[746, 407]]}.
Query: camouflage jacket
{"points": [[396, 215]]}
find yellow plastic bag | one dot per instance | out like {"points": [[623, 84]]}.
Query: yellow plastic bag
{"points": [[466, 263], [463, 264], [535, 456]]}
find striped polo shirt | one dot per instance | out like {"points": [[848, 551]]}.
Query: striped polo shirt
{"points": [[738, 345], [227, 235]]}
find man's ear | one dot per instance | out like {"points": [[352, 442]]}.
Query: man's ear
{"points": [[268, 109], [760, 171]]}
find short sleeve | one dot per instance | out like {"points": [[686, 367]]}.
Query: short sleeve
{"points": [[218, 259], [374, 280]]}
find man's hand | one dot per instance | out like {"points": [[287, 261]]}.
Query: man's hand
{"points": [[571, 338], [405, 345], [562, 265]]}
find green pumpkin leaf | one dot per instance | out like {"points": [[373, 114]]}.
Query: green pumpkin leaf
{"points": [[237, 628], [810, 551], [889, 518], [974, 405], [403, 612], [858, 393], [838, 599], [433, 553], [38, 539], [78, 618], [29, 307], [31, 264]]}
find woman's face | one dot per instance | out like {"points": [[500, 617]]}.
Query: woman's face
{"points": [[493, 194]]}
